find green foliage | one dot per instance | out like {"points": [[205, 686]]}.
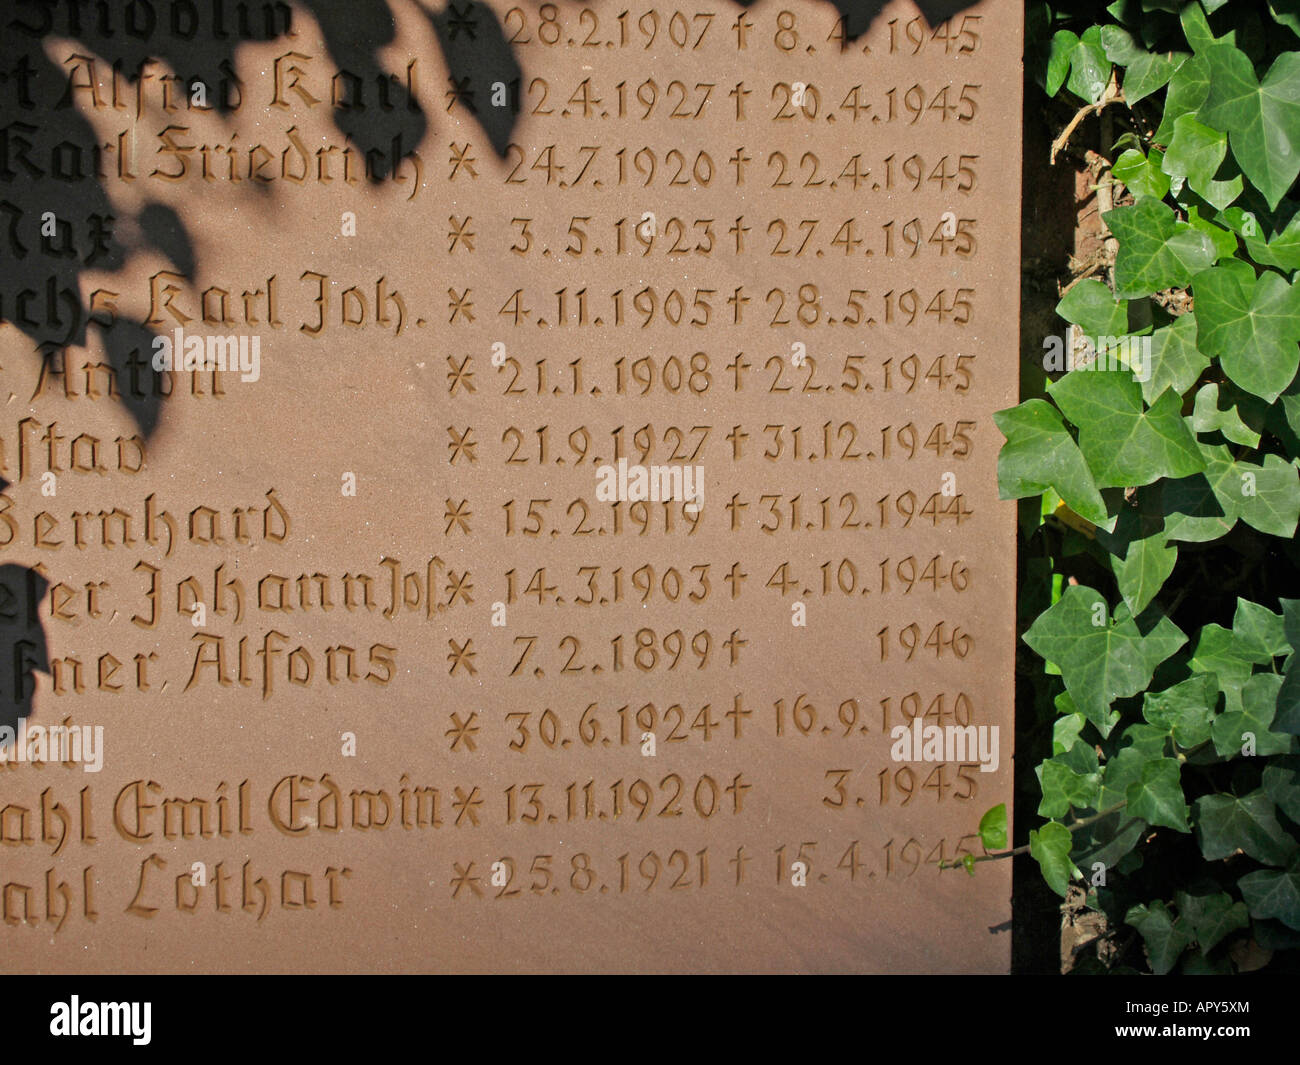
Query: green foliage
{"points": [[993, 827], [1101, 657], [1260, 116], [1156, 249], [1251, 324], [1165, 658], [1050, 846]]}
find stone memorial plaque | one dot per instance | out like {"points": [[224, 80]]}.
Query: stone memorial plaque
{"points": [[506, 488]]}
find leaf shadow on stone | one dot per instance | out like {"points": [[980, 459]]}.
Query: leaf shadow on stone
{"points": [[475, 48], [23, 646], [859, 15]]}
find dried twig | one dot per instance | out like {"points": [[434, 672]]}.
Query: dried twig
{"points": [[1111, 94]]}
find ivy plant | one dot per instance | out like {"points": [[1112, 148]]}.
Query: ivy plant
{"points": [[1161, 490]]}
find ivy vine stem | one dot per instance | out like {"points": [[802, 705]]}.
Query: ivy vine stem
{"points": [[1073, 826]]}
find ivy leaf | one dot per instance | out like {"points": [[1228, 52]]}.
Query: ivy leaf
{"points": [[1093, 308], [1226, 824], [1158, 796], [1188, 88], [1081, 758], [1207, 505], [1288, 696], [1064, 789], [1144, 570], [1288, 703], [1195, 155], [1165, 937], [1259, 631], [1123, 444], [1111, 838], [1175, 361], [1242, 222], [1186, 710], [1156, 250], [1123, 770], [1261, 118], [1145, 71], [1144, 175], [1219, 653], [993, 828], [1251, 325], [1211, 917], [1209, 417], [1147, 740], [1291, 409], [1286, 12], [1100, 663], [1058, 60], [1089, 67], [1281, 250], [1274, 935], [1065, 732], [1258, 700], [1269, 893], [1224, 240], [1282, 784], [1050, 846], [1291, 622], [1040, 454], [1196, 27]]}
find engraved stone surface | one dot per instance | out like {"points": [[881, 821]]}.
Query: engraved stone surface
{"points": [[592, 507]]}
